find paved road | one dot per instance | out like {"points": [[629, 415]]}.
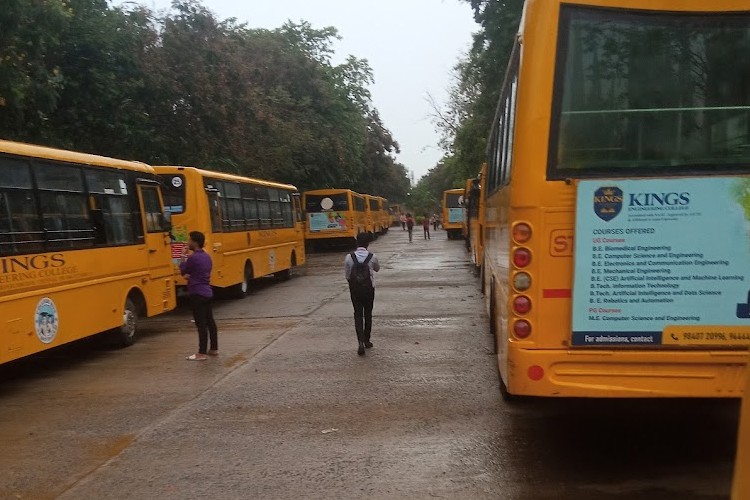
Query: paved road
{"points": [[290, 411]]}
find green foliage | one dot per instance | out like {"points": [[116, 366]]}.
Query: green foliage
{"points": [[187, 88], [465, 124]]}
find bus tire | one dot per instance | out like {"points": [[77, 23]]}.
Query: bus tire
{"points": [[242, 288], [126, 334], [493, 317]]}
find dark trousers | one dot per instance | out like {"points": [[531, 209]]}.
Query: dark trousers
{"points": [[203, 314], [362, 300], [403, 226], [427, 233]]}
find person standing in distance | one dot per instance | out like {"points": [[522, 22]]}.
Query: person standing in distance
{"points": [[197, 270], [402, 218], [360, 267], [426, 226], [409, 225]]}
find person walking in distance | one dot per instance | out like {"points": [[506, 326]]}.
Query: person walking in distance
{"points": [[197, 270], [360, 267], [426, 226], [409, 225], [403, 221]]}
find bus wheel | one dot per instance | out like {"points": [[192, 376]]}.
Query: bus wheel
{"points": [[126, 334], [493, 317], [243, 288]]}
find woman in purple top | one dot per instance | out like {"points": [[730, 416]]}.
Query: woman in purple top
{"points": [[197, 271]]}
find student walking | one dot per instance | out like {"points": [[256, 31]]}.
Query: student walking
{"points": [[434, 222], [426, 226], [360, 267], [409, 225], [197, 270], [403, 222]]}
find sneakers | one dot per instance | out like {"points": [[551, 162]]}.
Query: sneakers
{"points": [[368, 344], [361, 349]]}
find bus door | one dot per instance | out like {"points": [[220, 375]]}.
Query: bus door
{"points": [[299, 219], [215, 239], [158, 245]]}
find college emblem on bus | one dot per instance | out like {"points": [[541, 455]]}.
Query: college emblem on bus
{"points": [[46, 320], [607, 202]]}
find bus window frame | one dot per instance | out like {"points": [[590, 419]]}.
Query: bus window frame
{"points": [[562, 45]]}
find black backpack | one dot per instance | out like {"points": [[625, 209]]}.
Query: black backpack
{"points": [[360, 275]]}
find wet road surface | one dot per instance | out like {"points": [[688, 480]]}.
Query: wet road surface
{"points": [[288, 410]]}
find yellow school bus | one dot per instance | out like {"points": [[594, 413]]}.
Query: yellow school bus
{"points": [[453, 212], [466, 226], [616, 228], [384, 215], [396, 212], [334, 216], [372, 216], [253, 228], [741, 481], [84, 248], [475, 211]]}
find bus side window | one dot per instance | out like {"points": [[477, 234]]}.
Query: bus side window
{"points": [[264, 208], [20, 226], [110, 208], [250, 205], [65, 210], [152, 210]]}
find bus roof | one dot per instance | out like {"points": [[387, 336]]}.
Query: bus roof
{"points": [[33, 151], [223, 176], [332, 191], [454, 191]]}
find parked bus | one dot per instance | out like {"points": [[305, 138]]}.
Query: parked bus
{"points": [[616, 246], [372, 215], [466, 226], [476, 215], [84, 248], [453, 212], [253, 228], [334, 216], [396, 212], [384, 214]]}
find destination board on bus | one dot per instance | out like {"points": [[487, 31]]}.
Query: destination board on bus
{"points": [[662, 261]]}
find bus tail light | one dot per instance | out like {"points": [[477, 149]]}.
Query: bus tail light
{"points": [[521, 282], [521, 304], [521, 257], [521, 329], [521, 233]]}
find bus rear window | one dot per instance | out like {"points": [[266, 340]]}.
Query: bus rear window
{"points": [[641, 93], [452, 200], [173, 192], [319, 203]]}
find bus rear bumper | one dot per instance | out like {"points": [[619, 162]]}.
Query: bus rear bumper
{"points": [[626, 373]]}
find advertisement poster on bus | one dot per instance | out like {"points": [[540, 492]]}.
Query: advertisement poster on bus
{"points": [[326, 221], [662, 262], [455, 215]]}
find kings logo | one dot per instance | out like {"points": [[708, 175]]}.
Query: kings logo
{"points": [[607, 202]]}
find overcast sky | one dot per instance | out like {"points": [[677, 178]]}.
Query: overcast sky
{"points": [[411, 46]]}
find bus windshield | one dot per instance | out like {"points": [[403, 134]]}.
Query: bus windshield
{"points": [[647, 94], [319, 203]]}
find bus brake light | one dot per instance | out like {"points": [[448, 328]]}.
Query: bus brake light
{"points": [[521, 257], [521, 329], [521, 304]]}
